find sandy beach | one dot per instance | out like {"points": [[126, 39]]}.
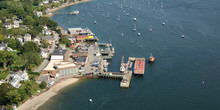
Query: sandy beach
{"points": [[63, 6], [36, 101]]}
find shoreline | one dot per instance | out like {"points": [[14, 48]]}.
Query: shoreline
{"points": [[37, 101], [63, 6]]}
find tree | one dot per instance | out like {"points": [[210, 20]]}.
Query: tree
{"points": [[30, 47], [14, 44], [29, 21], [43, 85], [2, 38], [7, 58], [44, 43], [31, 87], [65, 40], [31, 60], [4, 89], [13, 96]]}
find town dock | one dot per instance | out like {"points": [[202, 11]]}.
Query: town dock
{"points": [[125, 75]]}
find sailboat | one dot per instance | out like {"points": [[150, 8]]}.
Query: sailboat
{"points": [[134, 27], [118, 17], [139, 34], [161, 5], [108, 15]]}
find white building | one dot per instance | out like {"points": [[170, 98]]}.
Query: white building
{"points": [[44, 53], [4, 46], [37, 40], [39, 14], [74, 30], [20, 39], [8, 25], [45, 2], [16, 24], [47, 32], [18, 77], [27, 37]]}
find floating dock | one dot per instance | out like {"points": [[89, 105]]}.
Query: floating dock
{"points": [[139, 66]]}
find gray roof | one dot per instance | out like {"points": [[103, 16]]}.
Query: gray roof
{"points": [[48, 38], [59, 52], [2, 45]]}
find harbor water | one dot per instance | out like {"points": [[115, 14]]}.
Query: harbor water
{"points": [[186, 73]]}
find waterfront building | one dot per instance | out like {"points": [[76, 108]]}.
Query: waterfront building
{"points": [[74, 31], [57, 68]]}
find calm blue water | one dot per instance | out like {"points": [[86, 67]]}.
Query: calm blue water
{"points": [[175, 80]]}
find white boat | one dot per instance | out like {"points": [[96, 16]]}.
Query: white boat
{"points": [[183, 36], [135, 19], [74, 13], [134, 27], [90, 100], [108, 15], [122, 68], [105, 64], [95, 22], [106, 69], [113, 50], [163, 23], [150, 30], [139, 34], [121, 6], [122, 34], [128, 14], [118, 17]]}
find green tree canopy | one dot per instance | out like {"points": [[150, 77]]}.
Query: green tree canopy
{"points": [[7, 58], [65, 40], [14, 44], [4, 89], [13, 96], [30, 47], [43, 85]]}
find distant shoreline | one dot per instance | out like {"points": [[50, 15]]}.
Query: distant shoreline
{"points": [[63, 6], [37, 101]]}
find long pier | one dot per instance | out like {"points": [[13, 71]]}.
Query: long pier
{"points": [[125, 76]]}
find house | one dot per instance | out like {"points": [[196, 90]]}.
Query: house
{"points": [[60, 54], [46, 32], [45, 27], [44, 53], [37, 40], [8, 36], [8, 25], [39, 14], [49, 39], [20, 39], [16, 24], [45, 2], [27, 37], [4, 46], [18, 77], [74, 31]]}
